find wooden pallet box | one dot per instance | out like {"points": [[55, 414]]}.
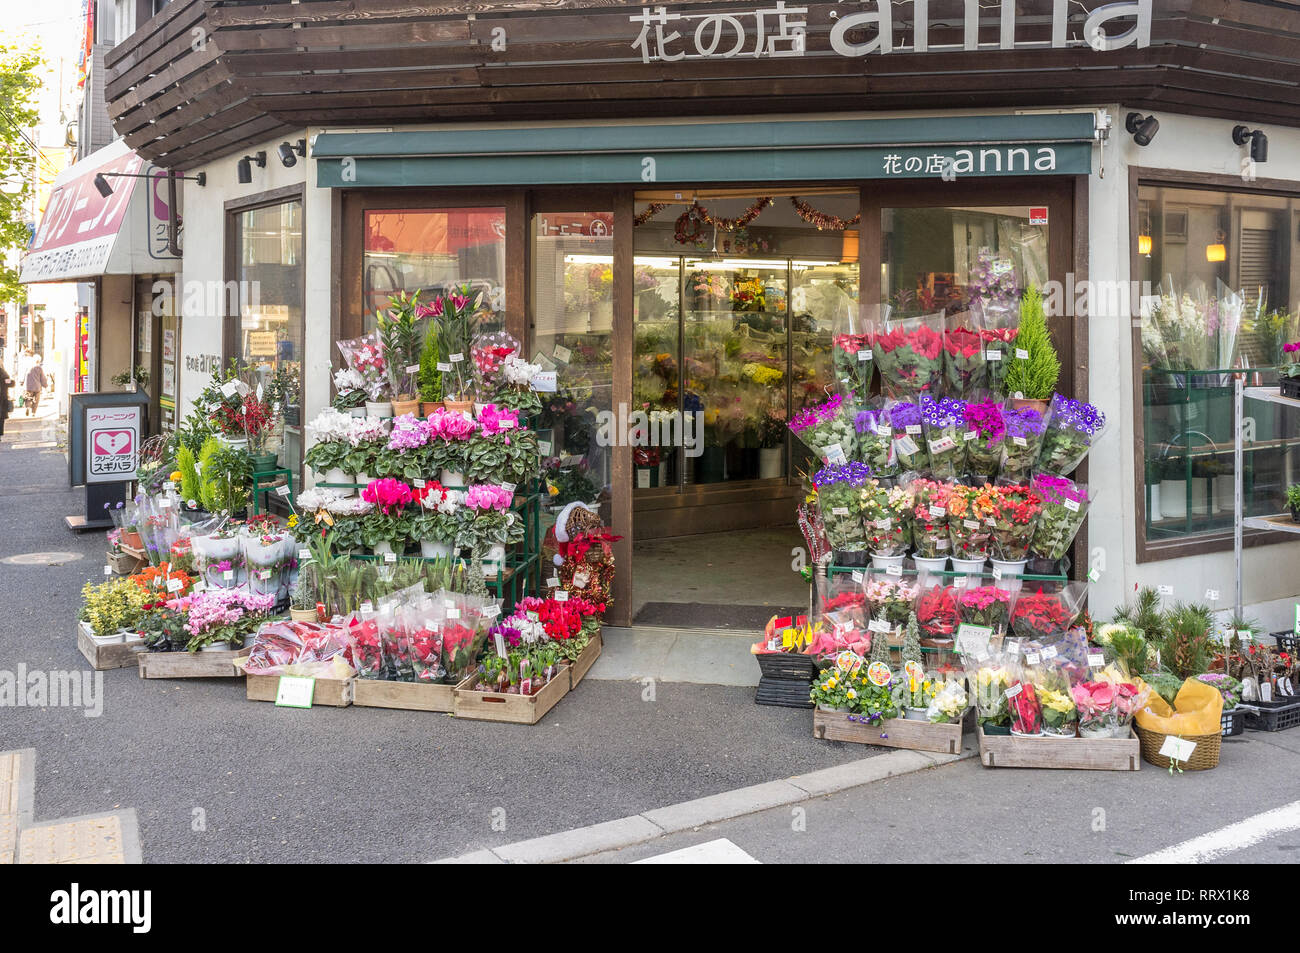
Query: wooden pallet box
{"points": [[104, 656], [330, 692], [1081, 754], [191, 664], [517, 709], [890, 733], [124, 563], [583, 663], [410, 696]]}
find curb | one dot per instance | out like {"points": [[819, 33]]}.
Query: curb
{"points": [[650, 825]]}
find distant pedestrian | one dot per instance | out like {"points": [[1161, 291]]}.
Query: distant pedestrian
{"points": [[36, 381], [5, 400]]}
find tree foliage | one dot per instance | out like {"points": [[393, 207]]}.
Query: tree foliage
{"points": [[19, 84]]}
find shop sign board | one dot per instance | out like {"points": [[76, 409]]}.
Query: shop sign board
{"points": [[112, 443]]}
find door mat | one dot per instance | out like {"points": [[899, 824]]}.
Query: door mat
{"points": [[708, 615]]}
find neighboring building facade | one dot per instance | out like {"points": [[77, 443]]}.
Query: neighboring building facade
{"points": [[551, 158]]}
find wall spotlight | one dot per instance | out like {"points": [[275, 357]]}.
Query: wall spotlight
{"points": [[1258, 142], [244, 167], [289, 153], [102, 185], [105, 189], [1142, 130]]}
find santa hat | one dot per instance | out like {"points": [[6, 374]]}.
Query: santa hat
{"points": [[562, 526]]}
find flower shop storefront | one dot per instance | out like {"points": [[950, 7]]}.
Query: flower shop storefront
{"points": [[686, 319]]}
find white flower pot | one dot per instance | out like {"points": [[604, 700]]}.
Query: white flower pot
{"points": [[216, 647], [1173, 499], [434, 549], [357, 411], [361, 478], [381, 409], [969, 566], [769, 463], [220, 549], [494, 560], [1008, 568], [931, 563], [113, 638], [338, 475], [452, 478], [1153, 511], [382, 549], [884, 562], [239, 443]]}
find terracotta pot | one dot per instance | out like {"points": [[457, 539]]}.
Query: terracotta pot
{"points": [[405, 407], [459, 406], [132, 539], [1038, 405], [428, 407]]}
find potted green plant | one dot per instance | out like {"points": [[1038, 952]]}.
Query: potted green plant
{"points": [[430, 378], [1035, 368], [453, 314], [1293, 501], [400, 333], [305, 595]]}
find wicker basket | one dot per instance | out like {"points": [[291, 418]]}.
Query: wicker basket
{"points": [[1205, 756]]}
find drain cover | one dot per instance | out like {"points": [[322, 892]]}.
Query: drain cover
{"points": [[41, 559]]}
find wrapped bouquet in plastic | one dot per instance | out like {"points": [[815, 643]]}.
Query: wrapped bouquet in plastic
{"points": [[1073, 428], [874, 439], [1022, 441], [1064, 508], [970, 510], [944, 422], [983, 437], [1015, 515], [843, 493], [909, 435], [964, 367], [930, 521], [827, 429], [852, 351], [886, 517], [909, 353]]}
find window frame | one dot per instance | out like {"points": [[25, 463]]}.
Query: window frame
{"points": [[1220, 541]]}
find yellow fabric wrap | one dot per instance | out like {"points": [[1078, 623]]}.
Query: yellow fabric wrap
{"points": [[1197, 710]]}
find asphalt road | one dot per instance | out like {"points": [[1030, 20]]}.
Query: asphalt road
{"points": [[348, 784]]}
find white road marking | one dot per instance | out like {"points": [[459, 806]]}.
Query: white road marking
{"points": [[720, 851], [1225, 840]]}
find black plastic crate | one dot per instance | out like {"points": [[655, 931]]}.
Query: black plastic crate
{"points": [[1286, 641], [1233, 721], [783, 692], [787, 665], [1289, 386], [1272, 716]]}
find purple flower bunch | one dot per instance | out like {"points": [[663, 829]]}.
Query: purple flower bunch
{"points": [[905, 414], [1023, 422], [866, 421], [1068, 414], [409, 432], [986, 419], [853, 473], [512, 637], [945, 412]]}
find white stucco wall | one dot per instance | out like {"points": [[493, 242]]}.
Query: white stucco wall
{"points": [[1271, 574]]}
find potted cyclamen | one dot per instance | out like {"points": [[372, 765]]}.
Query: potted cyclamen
{"points": [[220, 618], [970, 513], [328, 455], [491, 527], [266, 557], [449, 433], [386, 529], [888, 532], [437, 526], [349, 392]]}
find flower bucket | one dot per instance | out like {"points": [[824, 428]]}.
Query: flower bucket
{"points": [[113, 638], [219, 549], [1173, 499], [337, 475], [1153, 511], [884, 562], [361, 478], [216, 647], [914, 714], [263, 462], [459, 406], [434, 549], [1009, 568], [238, 443], [996, 729], [931, 563], [494, 560], [970, 567], [401, 407], [1021, 734], [769, 463], [383, 549], [357, 411], [380, 409], [1065, 731]]}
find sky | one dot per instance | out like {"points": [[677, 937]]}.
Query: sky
{"points": [[56, 25]]}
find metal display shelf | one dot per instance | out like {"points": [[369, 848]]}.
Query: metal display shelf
{"points": [[1280, 523]]}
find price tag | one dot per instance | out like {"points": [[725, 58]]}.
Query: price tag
{"points": [[1022, 354], [1177, 749], [490, 612], [835, 454], [509, 487], [1020, 441], [561, 595], [992, 355], [1013, 691], [544, 447], [839, 511], [230, 388], [304, 555], [1165, 590], [1244, 635], [108, 570], [970, 524], [878, 625], [228, 575], [997, 573], [165, 502], [942, 445], [531, 616], [453, 613], [444, 367], [390, 557], [974, 638], [906, 445], [941, 544], [295, 691], [367, 607], [169, 485], [882, 430], [199, 586], [642, 478], [969, 435], [282, 491], [913, 429], [456, 358], [1072, 505], [937, 512], [501, 644], [419, 484], [1096, 659], [1212, 595], [264, 574], [1049, 652], [884, 524], [413, 368], [580, 580], [563, 354], [553, 582], [864, 355], [1032, 658], [856, 576], [544, 382], [893, 570]]}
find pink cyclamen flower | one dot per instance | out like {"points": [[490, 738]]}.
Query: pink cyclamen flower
{"points": [[387, 494]]}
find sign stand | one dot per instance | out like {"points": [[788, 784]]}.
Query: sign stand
{"points": [[104, 435]]}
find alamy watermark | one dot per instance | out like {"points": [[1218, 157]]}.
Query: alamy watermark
{"points": [[651, 428], [21, 688]]}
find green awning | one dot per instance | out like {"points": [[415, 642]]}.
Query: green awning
{"points": [[777, 151]]}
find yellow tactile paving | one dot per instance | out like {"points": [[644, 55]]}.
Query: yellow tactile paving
{"points": [[9, 768], [88, 840], [8, 838]]}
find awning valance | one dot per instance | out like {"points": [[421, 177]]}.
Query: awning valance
{"points": [[776, 151], [84, 234]]}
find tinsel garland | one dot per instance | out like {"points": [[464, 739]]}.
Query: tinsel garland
{"points": [[822, 220], [653, 209]]}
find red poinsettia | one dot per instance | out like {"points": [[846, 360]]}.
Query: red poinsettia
{"points": [[937, 613]]}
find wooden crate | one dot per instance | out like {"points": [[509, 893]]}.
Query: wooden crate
{"points": [[105, 657], [1087, 754], [518, 709], [890, 733], [191, 664], [412, 696], [579, 668], [330, 692], [124, 563]]}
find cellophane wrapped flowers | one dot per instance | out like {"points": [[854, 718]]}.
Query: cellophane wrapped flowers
{"points": [[970, 512], [909, 440], [843, 492], [1015, 515], [1064, 508], [930, 518], [853, 361], [983, 437], [909, 354], [964, 368], [937, 614], [365, 356], [1072, 430], [1022, 441], [989, 680], [986, 606], [885, 514], [1022, 703], [1044, 613], [944, 422], [891, 599], [827, 429], [874, 438], [949, 703]]}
